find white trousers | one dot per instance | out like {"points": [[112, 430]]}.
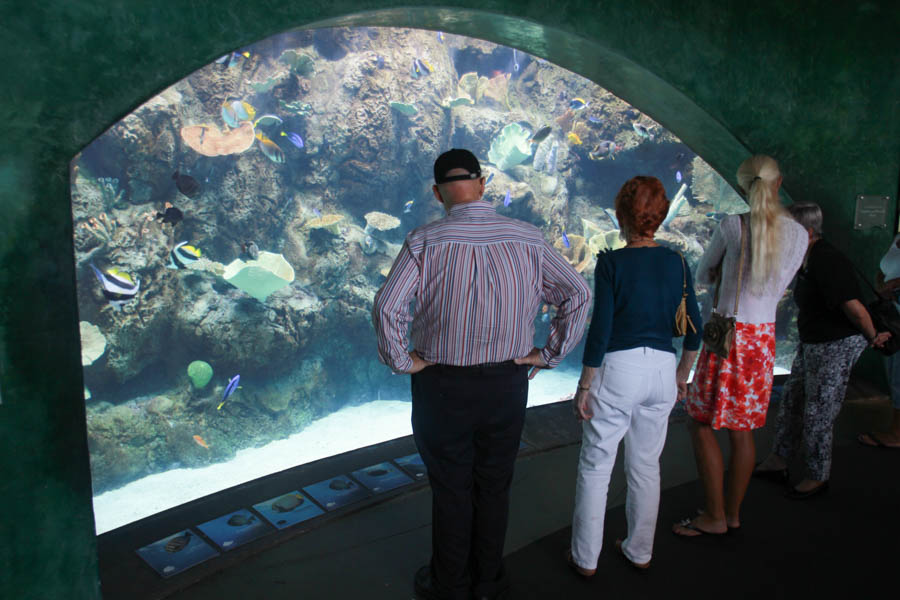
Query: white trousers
{"points": [[631, 396]]}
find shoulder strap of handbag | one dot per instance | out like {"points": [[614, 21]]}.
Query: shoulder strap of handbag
{"points": [[737, 296]]}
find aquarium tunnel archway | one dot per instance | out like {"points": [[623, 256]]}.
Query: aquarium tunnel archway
{"points": [[94, 62]]}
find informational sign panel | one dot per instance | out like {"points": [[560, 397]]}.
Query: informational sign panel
{"points": [[871, 211]]}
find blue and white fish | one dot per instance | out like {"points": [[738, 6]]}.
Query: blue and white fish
{"points": [[642, 130], [232, 58], [229, 389], [565, 239], [578, 103], [118, 286], [488, 180], [407, 207], [440, 36], [515, 61], [182, 255], [506, 199], [678, 176], [545, 317], [294, 138], [594, 119]]}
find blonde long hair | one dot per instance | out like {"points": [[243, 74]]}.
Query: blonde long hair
{"points": [[758, 177]]}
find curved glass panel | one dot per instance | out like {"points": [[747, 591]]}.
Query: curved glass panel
{"points": [[231, 233]]}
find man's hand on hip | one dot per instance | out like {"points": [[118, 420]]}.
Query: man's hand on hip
{"points": [[534, 359], [419, 363]]}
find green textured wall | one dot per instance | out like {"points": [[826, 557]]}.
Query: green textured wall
{"points": [[811, 82]]}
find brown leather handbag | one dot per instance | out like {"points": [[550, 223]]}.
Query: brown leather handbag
{"points": [[718, 332]]}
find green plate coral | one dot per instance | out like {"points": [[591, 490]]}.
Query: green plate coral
{"points": [[511, 147], [200, 373]]}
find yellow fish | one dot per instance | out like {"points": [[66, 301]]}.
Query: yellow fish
{"points": [[117, 272], [573, 138], [270, 148]]}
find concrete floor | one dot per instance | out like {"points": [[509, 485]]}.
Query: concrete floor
{"points": [[373, 553]]}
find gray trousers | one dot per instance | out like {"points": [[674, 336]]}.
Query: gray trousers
{"points": [[812, 399]]}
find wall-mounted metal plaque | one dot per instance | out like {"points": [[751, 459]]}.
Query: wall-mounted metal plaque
{"points": [[871, 211]]}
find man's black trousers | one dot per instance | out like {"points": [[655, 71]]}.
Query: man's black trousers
{"points": [[467, 422]]}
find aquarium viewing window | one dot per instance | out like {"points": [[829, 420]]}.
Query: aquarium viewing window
{"points": [[231, 233]]}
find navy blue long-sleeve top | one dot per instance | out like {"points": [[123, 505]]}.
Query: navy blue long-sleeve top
{"points": [[636, 294]]}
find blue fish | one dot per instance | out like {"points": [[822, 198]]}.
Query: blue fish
{"points": [[515, 60], [577, 104], [545, 317], [612, 217], [415, 69], [317, 212], [229, 389], [506, 200], [440, 37], [294, 138], [408, 206], [488, 180], [594, 119], [678, 176], [565, 240]]}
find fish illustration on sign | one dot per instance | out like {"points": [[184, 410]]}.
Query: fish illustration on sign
{"points": [[240, 520], [287, 503], [177, 543]]}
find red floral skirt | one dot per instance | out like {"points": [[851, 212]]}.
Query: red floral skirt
{"points": [[733, 393]]}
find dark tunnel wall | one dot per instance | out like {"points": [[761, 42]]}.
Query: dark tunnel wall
{"points": [[810, 82]]}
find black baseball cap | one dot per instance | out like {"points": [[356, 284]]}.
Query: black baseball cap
{"points": [[456, 158]]}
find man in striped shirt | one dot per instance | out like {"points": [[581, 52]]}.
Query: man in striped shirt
{"points": [[478, 279]]}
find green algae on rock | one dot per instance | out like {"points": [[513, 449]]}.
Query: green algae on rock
{"points": [[200, 373]]}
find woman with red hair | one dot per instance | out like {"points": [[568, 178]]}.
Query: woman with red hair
{"points": [[629, 380]]}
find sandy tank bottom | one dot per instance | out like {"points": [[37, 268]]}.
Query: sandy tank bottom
{"points": [[345, 430]]}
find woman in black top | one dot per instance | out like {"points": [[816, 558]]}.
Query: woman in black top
{"points": [[834, 328]]}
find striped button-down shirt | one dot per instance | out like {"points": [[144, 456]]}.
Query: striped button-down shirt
{"points": [[478, 280]]}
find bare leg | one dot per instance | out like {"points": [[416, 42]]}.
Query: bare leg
{"points": [[740, 468], [710, 468]]}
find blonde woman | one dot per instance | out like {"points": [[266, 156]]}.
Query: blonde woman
{"points": [[733, 393]]}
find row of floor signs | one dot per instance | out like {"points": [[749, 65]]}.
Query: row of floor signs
{"points": [[189, 547]]}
